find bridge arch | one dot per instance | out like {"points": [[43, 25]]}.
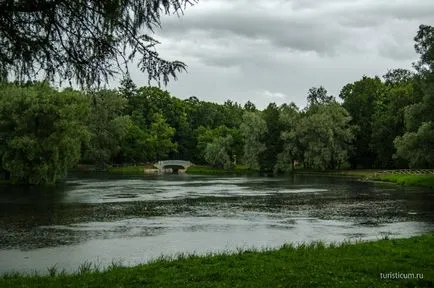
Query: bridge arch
{"points": [[175, 165]]}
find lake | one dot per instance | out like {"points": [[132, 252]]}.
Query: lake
{"points": [[131, 219]]}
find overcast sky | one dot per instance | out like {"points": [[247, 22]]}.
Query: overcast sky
{"points": [[274, 51]]}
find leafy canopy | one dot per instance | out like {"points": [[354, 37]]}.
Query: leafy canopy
{"points": [[87, 40], [41, 131]]}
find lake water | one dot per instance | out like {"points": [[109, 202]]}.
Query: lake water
{"points": [[104, 219]]}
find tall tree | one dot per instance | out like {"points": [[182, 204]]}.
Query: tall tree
{"points": [[360, 99], [250, 107], [88, 41], [289, 118], [253, 130], [273, 142], [107, 125], [325, 137], [217, 153], [41, 131], [318, 96], [416, 145], [388, 116]]}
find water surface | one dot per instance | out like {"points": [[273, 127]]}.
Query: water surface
{"points": [[101, 218]]}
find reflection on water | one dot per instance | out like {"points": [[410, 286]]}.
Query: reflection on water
{"points": [[134, 219]]}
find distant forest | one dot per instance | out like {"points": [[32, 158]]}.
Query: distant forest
{"points": [[385, 122]]}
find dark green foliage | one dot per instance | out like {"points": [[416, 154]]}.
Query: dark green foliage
{"points": [[41, 131], [416, 145], [325, 136], [88, 41], [107, 125], [359, 100], [272, 140], [380, 124], [318, 96], [388, 117]]}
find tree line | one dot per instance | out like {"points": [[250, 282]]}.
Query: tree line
{"points": [[385, 122]]}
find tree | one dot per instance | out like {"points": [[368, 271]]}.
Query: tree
{"points": [[161, 135], [217, 153], [318, 96], [289, 118], [250, 107], [424, 47], [389, 114], [273, 142], [135, 146], [128, 88], [145, 143], [360, 99], [88, 40], [206, 136], [398, 77], [41, 131], [253, 130], [416, 145], [107, 125], [325, 137]]}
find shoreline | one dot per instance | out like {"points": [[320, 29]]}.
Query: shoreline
{"points": [[347, 264], [371, 175], [368, 175]]}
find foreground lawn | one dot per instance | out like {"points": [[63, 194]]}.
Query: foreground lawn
{"points": [[346, 265]]}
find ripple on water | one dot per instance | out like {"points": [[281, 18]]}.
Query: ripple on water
{"points": [[120, 196], [138, 218]]}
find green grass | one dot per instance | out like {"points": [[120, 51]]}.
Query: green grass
{"points": [[196, 170], [415, 180], [207, 170], [314, 265], [360, 173], [139, 169], [374, 174]]}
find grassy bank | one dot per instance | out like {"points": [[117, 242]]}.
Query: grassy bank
{"points": [[364, 174], [361, 173], [194, 170], [207, 170], [378, 175], [139, 169], [415, 180], [346, 265]]}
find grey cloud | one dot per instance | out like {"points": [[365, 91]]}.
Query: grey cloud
{"points": [[297, 34], [322, 26], [275, 50]]}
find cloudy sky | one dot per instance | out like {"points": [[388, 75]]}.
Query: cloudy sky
{"points": [[275, 50]]}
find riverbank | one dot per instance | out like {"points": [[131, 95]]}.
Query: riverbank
{"points": [[132, 170], [207, 170], [193, 170], [364, 264], [426, 180], [413, 180]]}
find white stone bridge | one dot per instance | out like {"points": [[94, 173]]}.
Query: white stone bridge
{"points": [[173, 165]]}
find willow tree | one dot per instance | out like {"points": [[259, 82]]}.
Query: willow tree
{"points": [[88, 41], [416, 145]]}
